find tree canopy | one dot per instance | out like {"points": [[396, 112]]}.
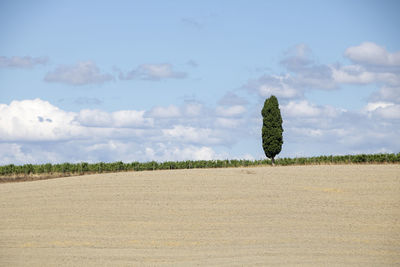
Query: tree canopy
{"points": [[272, 130]]}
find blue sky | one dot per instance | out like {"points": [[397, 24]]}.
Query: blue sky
{"points": [[176, 80]]}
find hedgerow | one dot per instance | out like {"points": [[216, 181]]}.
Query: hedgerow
{"points": [[101, 167]]}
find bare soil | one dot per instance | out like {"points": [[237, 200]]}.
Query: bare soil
{"points": [[338, 215]]}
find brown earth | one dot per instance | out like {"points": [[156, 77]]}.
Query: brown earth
{"points": [[337, 215]]}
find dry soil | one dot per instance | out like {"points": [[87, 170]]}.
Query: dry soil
{"points": [[298, 215]]}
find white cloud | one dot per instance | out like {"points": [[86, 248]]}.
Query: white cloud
{"points": [[131, 118], [94, 118], [282, 86], [300, 109], [227, 122], [193, 109], [311, 129], [24, 153], [246, 156], [36, 120], [193, 153], [12, 153], [35, 131], [82, 73], [387, 93], [193, 135], [317, 129], [128, 152], [303, 108], [373, 65], [390, 112], [374, 105], [306, 72], [202, 153], [284, 91], [297, 57], [150, 153], [122, 118], [385, 110], [22, 62], [360, 75], [232, 111], [371, 53], [165, 112], [161, 152], [352, 74], [309, 132], [153, 72]]}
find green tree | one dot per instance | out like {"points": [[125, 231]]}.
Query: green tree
{"points": [[272, 130]]}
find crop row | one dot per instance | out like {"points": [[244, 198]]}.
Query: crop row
{"points": [[84, 167]]}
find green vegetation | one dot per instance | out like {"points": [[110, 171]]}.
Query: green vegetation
{"points": [[272, 130], [65, 169]]}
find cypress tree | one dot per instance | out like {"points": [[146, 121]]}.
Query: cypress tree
{"points": [[272, 130]]}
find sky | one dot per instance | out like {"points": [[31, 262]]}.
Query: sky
{"points": [[186, 80]]}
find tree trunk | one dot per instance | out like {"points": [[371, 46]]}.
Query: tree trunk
{"points": [[273, 161]]}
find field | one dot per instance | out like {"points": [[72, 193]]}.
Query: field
{"points": [[327, 215]]}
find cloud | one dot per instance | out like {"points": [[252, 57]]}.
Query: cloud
{"points": [[375, 105], [166, 153], [300, 109], [357, 74], [153, 72], [193, 135], [303, 74], [38, 120], [231, 111], [384, 110], [193, 109], [117, 119], [387, 93], [35, 131], [26, 62], [373, 65], [165, 112], [389, 112], [202, 153], [315, 77], [281, 91], [228, 122], [278, 85], [305, 109], [306, 73], [314, 130], [15, 153], [297, 57], [372, 54], [82, 73]]}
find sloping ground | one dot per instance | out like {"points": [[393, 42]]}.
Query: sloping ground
{"points": [[299, 215]]}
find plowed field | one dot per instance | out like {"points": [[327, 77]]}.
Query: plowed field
{"points": [[300, 215]]}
